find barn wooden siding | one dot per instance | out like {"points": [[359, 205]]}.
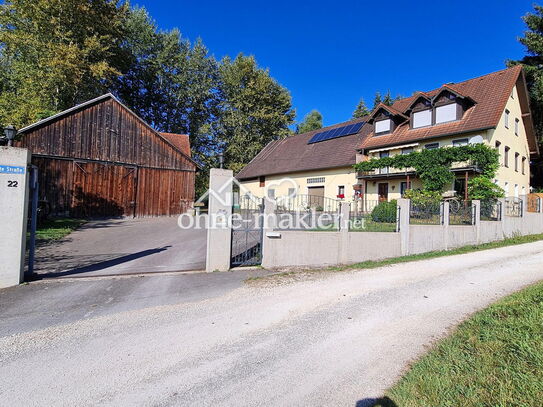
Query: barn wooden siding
{"points": [[102, 160]]}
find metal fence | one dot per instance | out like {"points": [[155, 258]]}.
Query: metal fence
{"points": [[362, 206], [513, 207], [307, 212], [461, 213], [426, 213], [384, 217], [491, 210]]}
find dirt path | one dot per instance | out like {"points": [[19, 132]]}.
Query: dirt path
{"points": [[337, 339]]}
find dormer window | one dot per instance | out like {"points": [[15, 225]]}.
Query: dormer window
{"points": [[422, 118], [446, 113], [383, 126]]}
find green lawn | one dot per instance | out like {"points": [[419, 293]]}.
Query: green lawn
{"points": [[54, 229], [367, 224], [494, 359]]}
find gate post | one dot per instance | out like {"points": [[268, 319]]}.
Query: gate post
{"points": [[403, 225], [13, 214], [219, 229]]}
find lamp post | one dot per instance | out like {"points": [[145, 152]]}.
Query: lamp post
{"points": [[221, 160], [10, 132]]}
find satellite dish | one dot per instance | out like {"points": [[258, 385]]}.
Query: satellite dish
{"points": [[476, 140]]}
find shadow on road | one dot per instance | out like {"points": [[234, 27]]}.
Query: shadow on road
{"points": [[101, 265], [380, 402]]}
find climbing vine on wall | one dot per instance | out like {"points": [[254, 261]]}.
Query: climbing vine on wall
{"points": [[433, 167]]}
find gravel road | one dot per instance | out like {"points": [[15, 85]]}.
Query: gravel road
{"points": [[332, 339]]}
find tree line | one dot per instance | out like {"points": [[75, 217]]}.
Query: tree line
{"points": [[55, 54]]}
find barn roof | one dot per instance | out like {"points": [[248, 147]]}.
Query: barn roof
{"points": [[182, 148], [181, 141]]}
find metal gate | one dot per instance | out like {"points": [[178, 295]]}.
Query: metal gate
{"points": [[247, 222]]}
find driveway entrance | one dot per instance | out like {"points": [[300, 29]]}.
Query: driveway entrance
{"points": [[124, 246]]}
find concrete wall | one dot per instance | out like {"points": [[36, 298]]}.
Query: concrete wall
{"points": [[316, 249]]}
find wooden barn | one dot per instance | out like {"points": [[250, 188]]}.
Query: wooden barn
{"points": [[99, 159]]}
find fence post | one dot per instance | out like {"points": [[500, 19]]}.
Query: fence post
{"points": [[405, 206], [502, 214], [345, 214], [268, 226], [446, 221], [524, 206], [477, 218], [219, 233]]}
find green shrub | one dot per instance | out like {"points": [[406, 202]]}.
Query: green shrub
{"points": [[483, 188], [384, 212]]}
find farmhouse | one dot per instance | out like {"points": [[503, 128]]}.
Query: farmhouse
{"points": [[492, 109], [319, 162], [99, 159]]}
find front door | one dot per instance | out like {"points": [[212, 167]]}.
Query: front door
{"points": [[383, 192]]}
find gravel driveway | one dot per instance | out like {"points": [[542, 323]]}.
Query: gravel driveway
{"points": [[334, 339]]}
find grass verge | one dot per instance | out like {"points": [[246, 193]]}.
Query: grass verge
{"points": [[370, 264], [493, 359], [55, 229]]}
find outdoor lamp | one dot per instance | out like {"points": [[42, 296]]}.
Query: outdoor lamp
{"points": [[10, 132], [221, 160]]}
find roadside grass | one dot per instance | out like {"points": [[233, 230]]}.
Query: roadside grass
{"points": [[55, 229], [371, 264], [493, 359]]}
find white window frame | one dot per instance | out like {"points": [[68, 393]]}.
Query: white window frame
{"points": [[446, 113], [422, 118], [460, 142], [506, 119], [516, 126]]}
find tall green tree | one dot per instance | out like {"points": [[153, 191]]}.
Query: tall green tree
{"points": [[312, 121], [361, 110], [255, 110], [533, 64], [57, 53]]}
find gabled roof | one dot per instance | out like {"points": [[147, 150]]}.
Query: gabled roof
{"points": [[389, 109], [490, 92], [101, 99], [181, 141], [293, 154]]}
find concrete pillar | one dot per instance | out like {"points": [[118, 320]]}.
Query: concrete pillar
{"points": [[13, 214], [219, 233], [268, 232], [445, 215], [502, 215], [405, 206], [524, 204], [345, 213], [477, 208]]}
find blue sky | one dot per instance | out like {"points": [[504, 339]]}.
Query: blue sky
{"points": [[329, 54]]}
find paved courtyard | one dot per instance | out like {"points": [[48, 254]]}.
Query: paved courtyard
{"points": [[124, 246]]}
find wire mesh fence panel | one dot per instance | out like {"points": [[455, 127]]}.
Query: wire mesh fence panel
{"points": [[461, 213], [383, 218], [307, 212], [491, 210], [426, 213], [364, 206], [513, 207]]}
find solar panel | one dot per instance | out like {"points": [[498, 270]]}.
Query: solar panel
{"points": [[335, 133]]}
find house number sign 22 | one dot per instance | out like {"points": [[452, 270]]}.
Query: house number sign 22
{"points": [[13, 184]]}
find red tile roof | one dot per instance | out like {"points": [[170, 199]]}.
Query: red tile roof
{"points": [[293, 154], [490, 93], [180, 141]]}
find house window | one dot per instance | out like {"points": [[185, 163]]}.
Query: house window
{"points": [[446, 113], [383, 154], [516, 127], [506, 157], [516, 190], [407, 150], [383, 126], [341, 191], [271, 193], [516, 161], [498, 144], [422, 119], [460, 142], [262, 182], [506, 188], [403, 187], [523, 165], [431, 146], [506, 119], [316, 180], [460, 186]]}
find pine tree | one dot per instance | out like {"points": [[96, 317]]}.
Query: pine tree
{"points": [[376, 100], [361, 110], [312, 121]]}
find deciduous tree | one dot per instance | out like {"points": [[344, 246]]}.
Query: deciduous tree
{"points": [[312, 121]]}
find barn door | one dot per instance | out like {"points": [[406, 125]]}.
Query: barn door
{"points": [[103, 190]]}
